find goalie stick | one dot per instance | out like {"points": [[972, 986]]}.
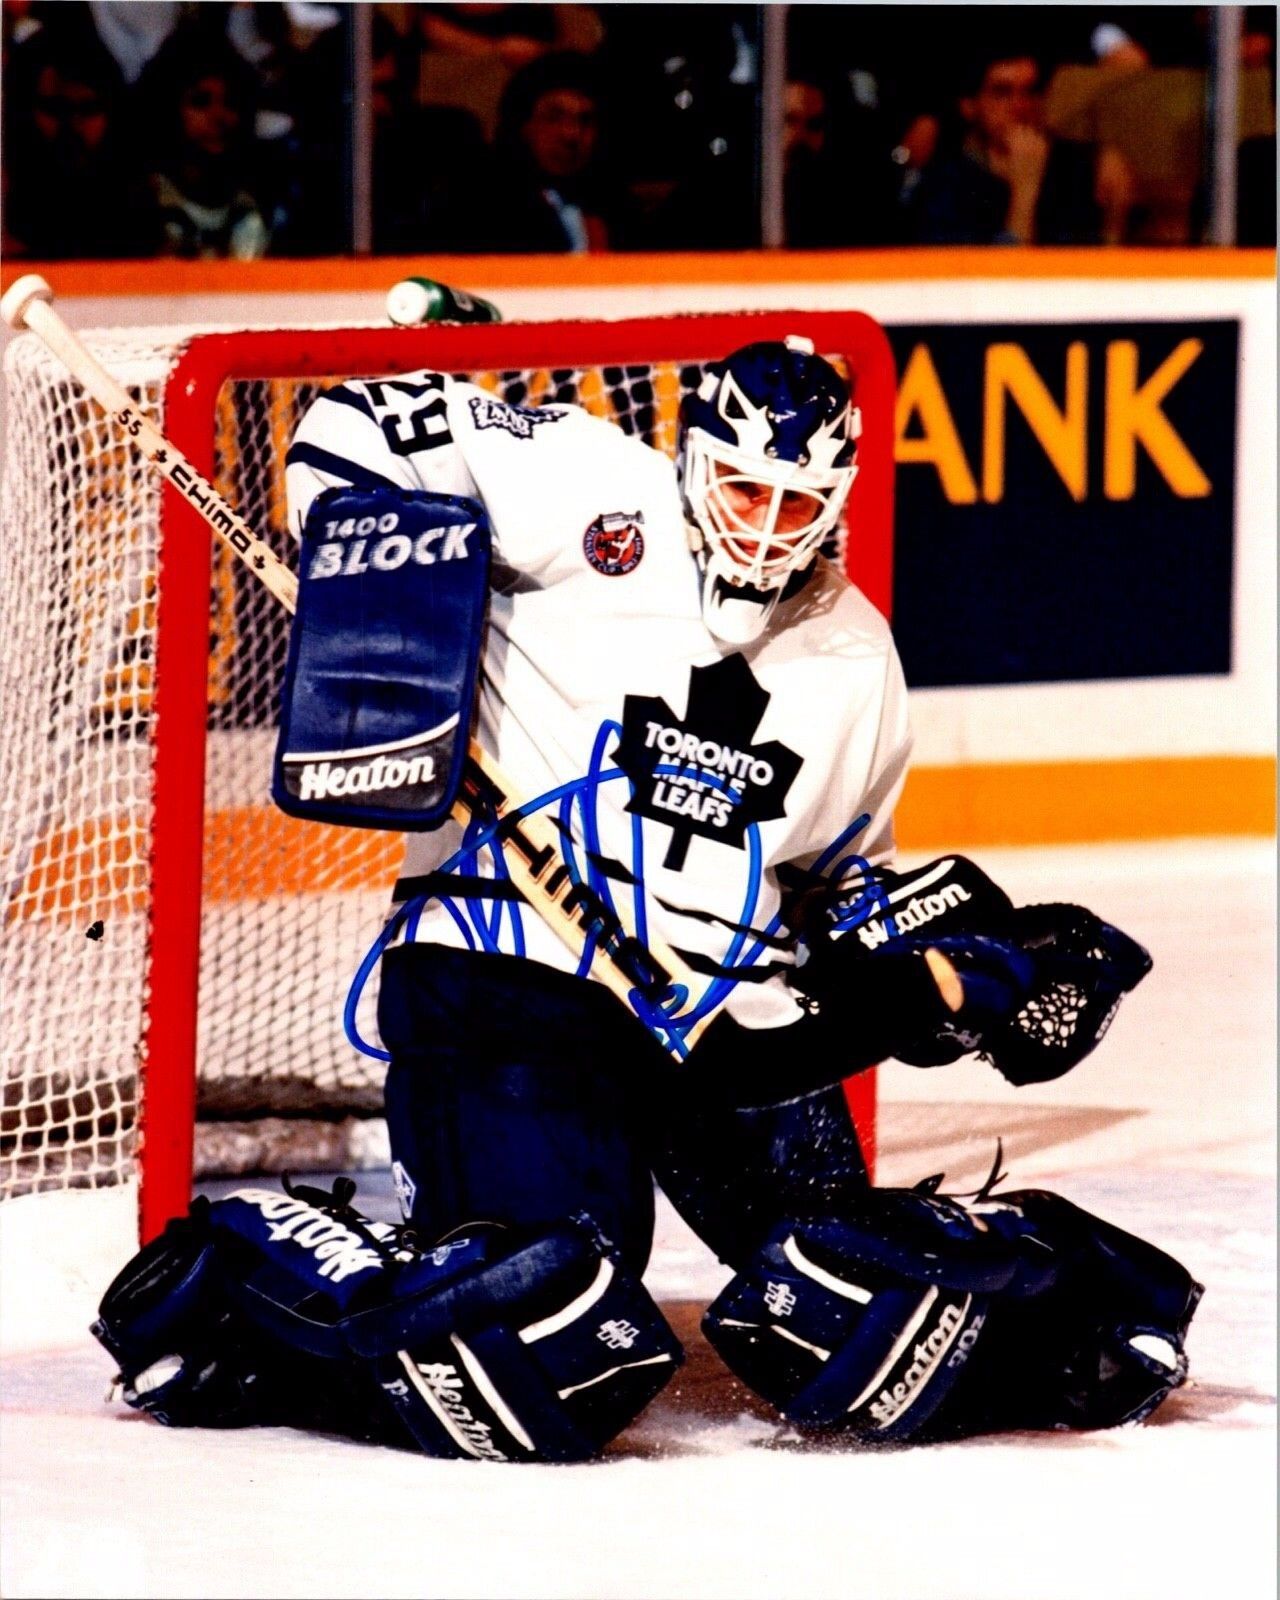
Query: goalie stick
{"points": [[530, 843]]}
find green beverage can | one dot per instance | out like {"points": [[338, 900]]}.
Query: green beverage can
{"points": [[417, 300]]}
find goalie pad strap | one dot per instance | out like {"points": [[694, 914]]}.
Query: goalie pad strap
{"points": [[460, 885]]}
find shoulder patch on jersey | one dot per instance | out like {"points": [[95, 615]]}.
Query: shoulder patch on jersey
{"points": [[614, 544], [518, 421]]}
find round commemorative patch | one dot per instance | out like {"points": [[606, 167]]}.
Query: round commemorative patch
{"points": [[613, 544]]}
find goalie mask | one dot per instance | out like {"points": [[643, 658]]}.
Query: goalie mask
{"points": [[766, 460]]}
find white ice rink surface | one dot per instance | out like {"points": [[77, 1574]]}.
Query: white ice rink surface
{"points": [[1168, 1130]]}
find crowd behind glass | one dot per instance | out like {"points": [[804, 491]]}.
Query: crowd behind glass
{"points": [[136, 128]]}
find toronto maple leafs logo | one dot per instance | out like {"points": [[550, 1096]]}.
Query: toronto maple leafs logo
{"points": [[703, 774]]}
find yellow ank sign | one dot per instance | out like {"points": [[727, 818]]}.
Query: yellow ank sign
{"points": [[1132, 413]]}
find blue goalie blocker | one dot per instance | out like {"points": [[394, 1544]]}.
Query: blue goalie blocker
{"points": [[380, 679]]}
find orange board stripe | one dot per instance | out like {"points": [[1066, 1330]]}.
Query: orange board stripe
{"points": [[350, 275], [251, 852], [1018, 803]]}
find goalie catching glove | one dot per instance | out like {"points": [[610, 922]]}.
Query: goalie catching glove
{"points": [[294, 1309], [1038, 985]]}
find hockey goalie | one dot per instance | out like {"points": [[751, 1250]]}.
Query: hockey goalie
{"points": [[715, 720]]}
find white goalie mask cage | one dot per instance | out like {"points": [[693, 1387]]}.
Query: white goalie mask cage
{"points": [[766, 465]]}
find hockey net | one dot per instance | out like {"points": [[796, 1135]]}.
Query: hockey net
{"points": [[176, 952]]}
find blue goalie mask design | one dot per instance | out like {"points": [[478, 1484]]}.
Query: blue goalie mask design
{"points": [[766, 455]]}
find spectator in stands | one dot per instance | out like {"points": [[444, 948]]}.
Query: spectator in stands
{"points": [[422, 205], [199, 95], [301, 57], [811, 217], [550, 191], [686, 125], [471, 52], [1012, 183], [901, 87], [839, 187], [804, 120], [74, 191]]}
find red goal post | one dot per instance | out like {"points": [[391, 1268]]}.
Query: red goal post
{"points": [[232, 935]]}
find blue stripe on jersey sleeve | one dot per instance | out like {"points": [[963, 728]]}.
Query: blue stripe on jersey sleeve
{"points": [[311, 455], [344, 396]]}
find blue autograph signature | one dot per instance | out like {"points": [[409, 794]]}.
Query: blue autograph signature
{"points": [[480, 919]]}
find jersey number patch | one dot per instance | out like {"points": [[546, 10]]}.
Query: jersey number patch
{"points": [[407, 425]]}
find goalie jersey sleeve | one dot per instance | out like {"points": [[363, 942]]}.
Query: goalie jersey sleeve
{"points": [[702, 767], [392, 432]]}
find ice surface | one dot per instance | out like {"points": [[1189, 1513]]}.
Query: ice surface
{"points": [[1169, 1130]]}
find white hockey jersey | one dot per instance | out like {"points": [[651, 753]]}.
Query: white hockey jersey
{"points": [[737, 759]]}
